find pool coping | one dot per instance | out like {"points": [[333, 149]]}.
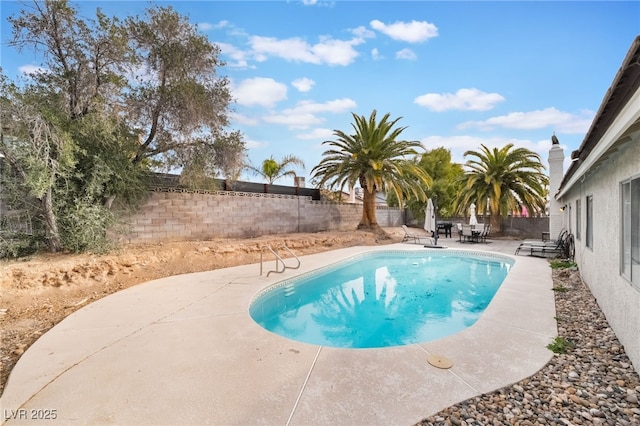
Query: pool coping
{"points": [[184, 349], [286, 284], [359, 256]]}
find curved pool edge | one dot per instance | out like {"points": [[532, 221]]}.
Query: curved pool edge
{"points": [[361, 255], [277, 295], [184, 350]]}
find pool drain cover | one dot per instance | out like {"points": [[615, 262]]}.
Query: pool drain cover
{"points": [[439, 361]]}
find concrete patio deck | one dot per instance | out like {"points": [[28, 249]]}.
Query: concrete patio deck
{"points": [[184, 350]]}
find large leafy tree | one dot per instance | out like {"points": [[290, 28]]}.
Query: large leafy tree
{"points": [[444, 190], [83, 59], [377, 159], [177, 95], [272, 169], [125, 97], [502, 181], [446, 174], [39, 152], [156, 72], [221, 156], [66, 164]]}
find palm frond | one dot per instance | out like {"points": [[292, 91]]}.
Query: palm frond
{"points": [[374, 156]]}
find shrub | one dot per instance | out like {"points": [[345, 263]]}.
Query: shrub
{"points": [[560, 345], [19, 245], [83, 227], [559, 263]]}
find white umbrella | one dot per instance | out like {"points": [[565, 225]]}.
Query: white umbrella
{"points": [[473, 220], [429, 217]]}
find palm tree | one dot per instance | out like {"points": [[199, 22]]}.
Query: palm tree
{"points": [[502, 181], [377, 160], [272, 170]]}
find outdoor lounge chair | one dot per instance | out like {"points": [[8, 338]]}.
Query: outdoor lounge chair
{"points": [[561, 234], [529, 245], [563, 247], [415, 237]]}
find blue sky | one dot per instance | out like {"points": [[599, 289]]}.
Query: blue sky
{"points": [[460, 74]]}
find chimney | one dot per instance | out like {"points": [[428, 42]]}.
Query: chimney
{"points": [[556, 160]]}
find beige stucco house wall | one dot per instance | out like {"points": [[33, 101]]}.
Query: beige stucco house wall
{"points": [[591, 192]]}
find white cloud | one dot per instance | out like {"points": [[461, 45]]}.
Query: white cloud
{"points": [[334, 107], [463, 99], [549, 117], [222, 24], [411, 32], [254, 144], [230, 29], [458, 145], [318, 3], [337, 52], [303, 84], [239, 57], [375, 54], [294, 120], [305, 113], [363, 32], [259, 91], [204, 26], [318, 133], [328, 51], [242, 119], [32, 69], [406, 54], [292, 49]]}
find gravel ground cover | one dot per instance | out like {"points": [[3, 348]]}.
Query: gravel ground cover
{"points": [[591, 383]]}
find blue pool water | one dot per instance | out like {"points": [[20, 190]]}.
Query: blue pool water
{"points": [[383, 299]]}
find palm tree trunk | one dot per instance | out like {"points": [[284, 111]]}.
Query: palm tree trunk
{"points": [[368, 220], [496, 223]]}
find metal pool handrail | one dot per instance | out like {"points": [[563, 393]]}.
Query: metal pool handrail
{"points": [[278, 259]]}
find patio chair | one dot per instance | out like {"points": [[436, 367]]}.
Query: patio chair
{"points": [[459, 228], [415, 237], [485, 233], [468, 233], [539, 245]]}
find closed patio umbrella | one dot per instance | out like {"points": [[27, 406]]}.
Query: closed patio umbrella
{"points": [[473, 220], [430, 217]]}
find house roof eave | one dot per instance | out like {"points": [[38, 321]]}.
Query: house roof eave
{"points": [[622, 93]]}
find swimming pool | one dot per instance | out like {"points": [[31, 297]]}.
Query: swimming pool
{"points": [[381, 299]]}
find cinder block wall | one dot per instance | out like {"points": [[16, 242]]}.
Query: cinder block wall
{"points": [[527, 227], [172, 216], [516, 227]]}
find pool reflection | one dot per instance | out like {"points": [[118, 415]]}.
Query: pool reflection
{"points": [[383, 301]]}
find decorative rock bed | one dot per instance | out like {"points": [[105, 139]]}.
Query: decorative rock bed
{"points": [[592, 383]]}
